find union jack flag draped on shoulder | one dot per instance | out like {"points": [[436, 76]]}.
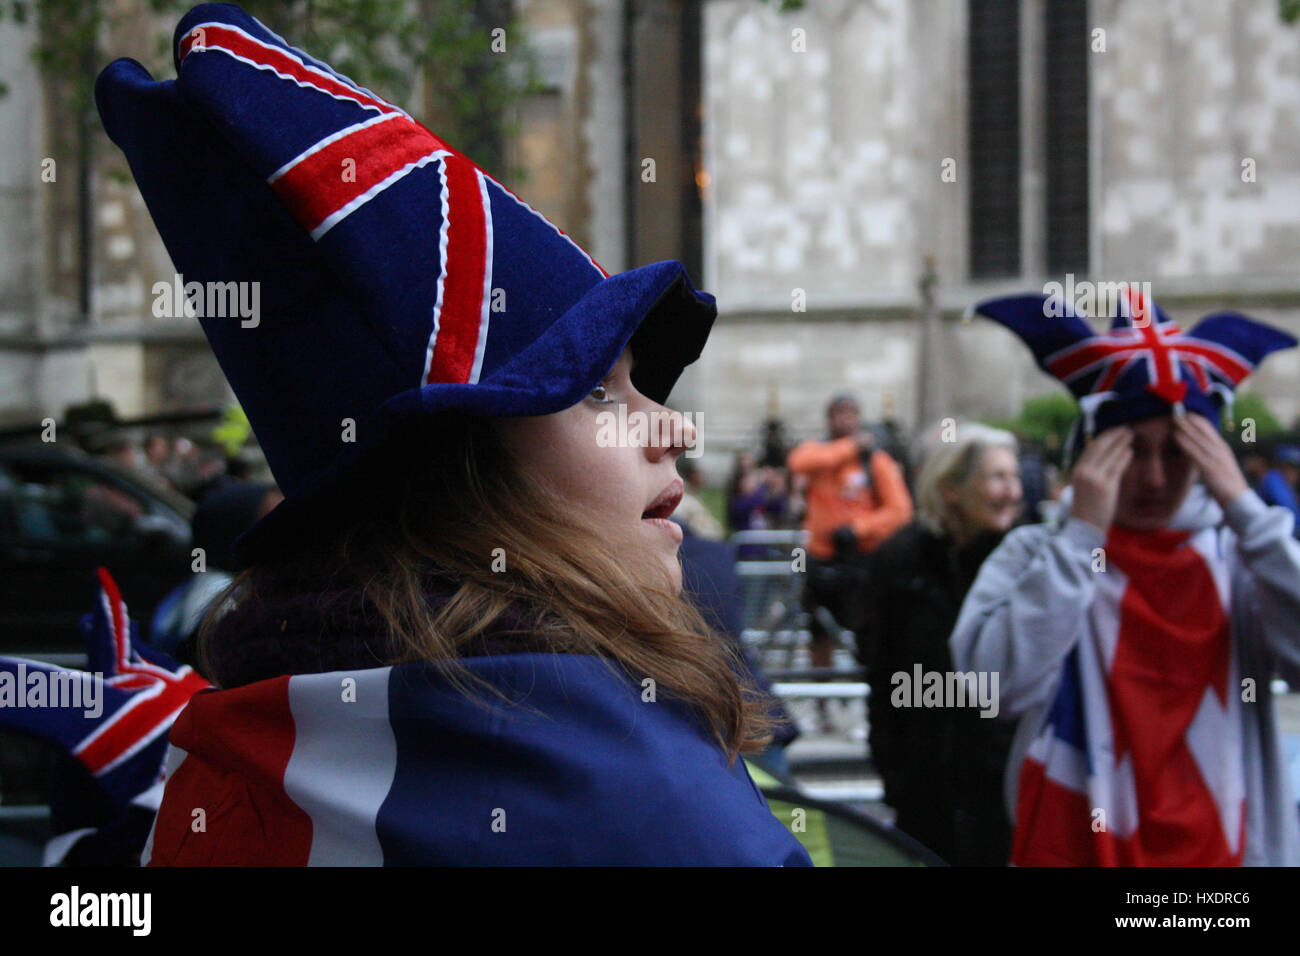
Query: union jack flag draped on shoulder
{"points": [[112, 718]]}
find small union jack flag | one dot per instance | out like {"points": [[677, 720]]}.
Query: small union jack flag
{"points": [[116, 721]]}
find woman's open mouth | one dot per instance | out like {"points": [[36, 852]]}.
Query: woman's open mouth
{"points": [[662, 507]]}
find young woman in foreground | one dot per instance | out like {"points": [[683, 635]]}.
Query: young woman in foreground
{"points": [[460, 639]]}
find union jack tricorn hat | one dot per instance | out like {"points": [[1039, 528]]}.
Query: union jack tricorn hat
{"points": [[1145, 365], [396, 278]]}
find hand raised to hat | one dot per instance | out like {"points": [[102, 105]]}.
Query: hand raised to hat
{"points": [[1097, 475], [1202, 443]]}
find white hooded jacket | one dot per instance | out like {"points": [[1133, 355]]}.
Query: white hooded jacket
{"points": [[1028, 608]]}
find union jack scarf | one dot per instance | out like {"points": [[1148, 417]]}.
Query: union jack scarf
{"points": [[1139, 759]]}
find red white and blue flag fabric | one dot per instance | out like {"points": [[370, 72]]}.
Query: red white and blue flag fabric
{"points": [[1139, 758], [116, 722], [395, 765], [347, 151]]}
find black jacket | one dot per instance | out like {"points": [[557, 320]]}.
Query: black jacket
{"points": [[942, 767]]}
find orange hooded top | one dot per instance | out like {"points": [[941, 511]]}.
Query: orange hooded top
{"points": [[840, 494]]}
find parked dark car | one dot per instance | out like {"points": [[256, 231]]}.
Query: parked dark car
{"points": [[64, 513]]}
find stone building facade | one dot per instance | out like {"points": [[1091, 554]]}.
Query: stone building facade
{"points": [[845, 144]]}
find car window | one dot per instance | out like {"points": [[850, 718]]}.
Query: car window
{"points": [[72, 507]]}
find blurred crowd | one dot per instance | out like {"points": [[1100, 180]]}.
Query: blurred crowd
{"points": [[175, 462], [229, 495]]}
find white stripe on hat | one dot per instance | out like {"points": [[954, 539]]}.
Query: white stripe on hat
{"points": [[293, 54], [343, 762], [486, 313], [550, 225], [443, 230], [334, 218], [313, 150]]}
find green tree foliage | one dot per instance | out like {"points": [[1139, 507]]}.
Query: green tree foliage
{"points": [[440, 49], [1045, 419], [67, 31], [1250, 405]]}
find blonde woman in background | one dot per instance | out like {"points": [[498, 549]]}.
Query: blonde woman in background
{"points": [[942, 766]]}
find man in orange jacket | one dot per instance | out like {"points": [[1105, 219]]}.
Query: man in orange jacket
{"points": [[856, 498]]}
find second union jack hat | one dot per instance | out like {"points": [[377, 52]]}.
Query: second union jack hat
{"points": [[395, 278], [1144, 366]]}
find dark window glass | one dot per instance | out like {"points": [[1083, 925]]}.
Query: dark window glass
{"points": [[1068, 39], [994, 135]]}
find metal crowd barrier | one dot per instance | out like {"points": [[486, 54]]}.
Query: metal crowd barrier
{"points": [[775, 624]]}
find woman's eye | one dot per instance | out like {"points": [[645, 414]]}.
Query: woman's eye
{"points": [[601, 394]]}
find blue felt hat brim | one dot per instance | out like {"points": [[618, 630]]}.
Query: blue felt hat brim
{"points": [[654, 308], [580, 348]]}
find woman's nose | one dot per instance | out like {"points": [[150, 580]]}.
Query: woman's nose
{"points": [[676, 433]]}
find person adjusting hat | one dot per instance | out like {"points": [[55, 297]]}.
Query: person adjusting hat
{"points": [[1137, 641]]}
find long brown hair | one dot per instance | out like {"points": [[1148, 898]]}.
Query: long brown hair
{"points": [[457, 507]]}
